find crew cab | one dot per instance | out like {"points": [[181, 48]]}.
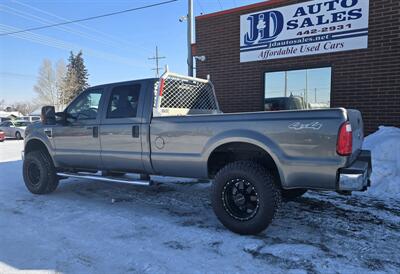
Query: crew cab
{"points": [[173, 126]]}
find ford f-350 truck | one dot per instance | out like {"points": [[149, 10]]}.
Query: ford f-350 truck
{"points": [[173, 126]]}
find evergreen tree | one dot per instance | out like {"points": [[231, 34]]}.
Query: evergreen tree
{"points": [[76, 77], [81, 72]]}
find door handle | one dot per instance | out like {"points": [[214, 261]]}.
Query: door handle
{"points": [[135, 131]]}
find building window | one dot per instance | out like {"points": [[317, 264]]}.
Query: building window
{"points": [[298, 89]]}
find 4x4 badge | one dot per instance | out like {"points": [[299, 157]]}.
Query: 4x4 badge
{"points": [[299, 126]]}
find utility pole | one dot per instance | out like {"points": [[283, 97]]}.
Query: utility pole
{"points": [[189, 37], [315, 95], [286, 83], [306, 94], [157, 57]]}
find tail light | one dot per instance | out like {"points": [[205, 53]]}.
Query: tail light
{"points": [[344, 145], [162, 83]]}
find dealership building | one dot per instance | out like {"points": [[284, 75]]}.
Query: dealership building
{"points": [[324, 53]]}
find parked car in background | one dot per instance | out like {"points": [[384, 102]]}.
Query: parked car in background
{"points": [[14, 128], [31, 118], [3, 119], [2, 136], [285, 103]]}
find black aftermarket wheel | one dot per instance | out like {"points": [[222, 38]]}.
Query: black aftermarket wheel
{"points": [[245, 197], [240, 199], [39, 173]]}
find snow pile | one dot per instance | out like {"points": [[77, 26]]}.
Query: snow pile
{"points": [[385, 148]]}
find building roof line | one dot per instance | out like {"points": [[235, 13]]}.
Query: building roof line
{"points": [[243, 8]]}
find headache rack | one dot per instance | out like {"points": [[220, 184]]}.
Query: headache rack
{"points": [[177, 95]]}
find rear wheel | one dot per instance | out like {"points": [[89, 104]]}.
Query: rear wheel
{"points": [[18, 135], [39, 173], [291, 194], [245, 197]]}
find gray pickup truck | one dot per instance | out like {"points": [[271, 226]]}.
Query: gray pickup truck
{"points": [[172, 126]]}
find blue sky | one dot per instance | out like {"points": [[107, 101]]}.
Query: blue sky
{"points": [[115, 48]]}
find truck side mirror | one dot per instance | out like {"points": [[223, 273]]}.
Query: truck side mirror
{"points": [[48, 115]]}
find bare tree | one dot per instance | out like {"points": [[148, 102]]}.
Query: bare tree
{"points": [[46, 84], [50, 80], [2, 104], [61, 70], [25, 108]]}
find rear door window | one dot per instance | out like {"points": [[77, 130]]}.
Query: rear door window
{"points": [[124, 102]]}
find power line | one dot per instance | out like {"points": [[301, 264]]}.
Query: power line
{"points": [[42, 20], [157, 58], [55, 43], [220, 5], [112, 39], [90, 18], [201, 7], [15, 74]]}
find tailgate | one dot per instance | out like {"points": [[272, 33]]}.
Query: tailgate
{"points": [[355, 119]]}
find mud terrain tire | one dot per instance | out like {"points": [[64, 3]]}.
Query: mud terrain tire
{"points": [[39, 173], [245, 197]]}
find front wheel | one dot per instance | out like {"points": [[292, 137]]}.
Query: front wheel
{"points": [[39, 173], [18, 135], [245, 197]]}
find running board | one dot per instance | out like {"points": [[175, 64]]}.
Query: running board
{"points": [[105, 179]]}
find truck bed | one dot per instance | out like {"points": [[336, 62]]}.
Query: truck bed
{"points": [[302, 143]]}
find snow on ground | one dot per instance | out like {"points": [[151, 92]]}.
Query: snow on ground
{"points": [[96, 227], [385, 149]]}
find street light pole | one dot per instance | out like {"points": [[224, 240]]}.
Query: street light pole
{"points": [[189, 37]]}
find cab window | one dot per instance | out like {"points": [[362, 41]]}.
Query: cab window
{"points": [[86, 106], [123, 102]]}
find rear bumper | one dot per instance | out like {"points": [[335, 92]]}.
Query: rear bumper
{"points": [[356, 176]]}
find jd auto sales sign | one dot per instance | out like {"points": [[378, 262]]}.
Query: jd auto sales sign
{"points": [[313, 27]]}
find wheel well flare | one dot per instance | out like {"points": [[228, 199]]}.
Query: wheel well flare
{"points": [[240, 151]]}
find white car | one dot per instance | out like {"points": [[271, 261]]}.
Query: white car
{"points": [[14, 129], [30, 118]]}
